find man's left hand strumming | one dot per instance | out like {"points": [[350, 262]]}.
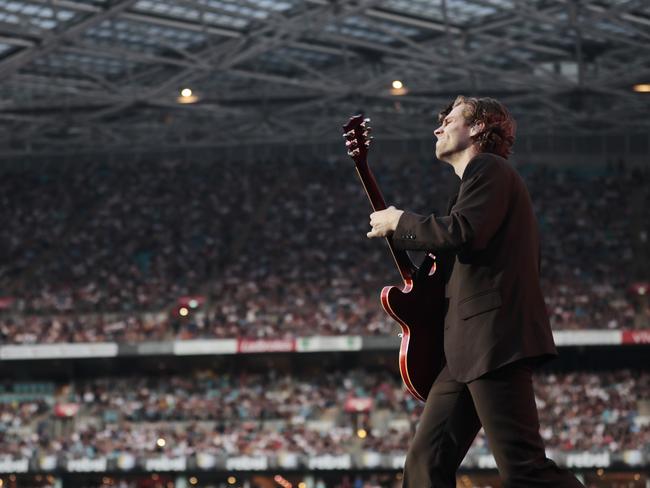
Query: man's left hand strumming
{"points": [[384, 222]]}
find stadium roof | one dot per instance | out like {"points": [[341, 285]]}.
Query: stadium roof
{"points": [[105, 73]]}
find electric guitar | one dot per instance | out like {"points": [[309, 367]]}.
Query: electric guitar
{"points": [[418, 307]]}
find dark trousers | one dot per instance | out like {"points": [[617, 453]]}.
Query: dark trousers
{"points": [[503, 402]]}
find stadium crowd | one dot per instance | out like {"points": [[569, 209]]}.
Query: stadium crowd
{"points": [[99, 252], [266, 413]]}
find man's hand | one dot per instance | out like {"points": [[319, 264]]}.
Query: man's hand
{"points": [[384, 222]]}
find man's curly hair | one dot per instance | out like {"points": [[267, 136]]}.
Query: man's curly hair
{"points": [[498, 136]]}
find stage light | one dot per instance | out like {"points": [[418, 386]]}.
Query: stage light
{"points": [[232, 480], [193, 303], [398, 88], [362, 434], [642, 88], [600, 471], [193, 480], [183, 312], [161, 442], [187, 96], [302, 484]]}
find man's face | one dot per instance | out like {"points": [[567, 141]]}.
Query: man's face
{"points": [[453, 134]]}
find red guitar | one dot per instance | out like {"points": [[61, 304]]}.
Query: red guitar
{"points": [[418, 307]]}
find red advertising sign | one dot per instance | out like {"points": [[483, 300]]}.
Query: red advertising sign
{"points": [[66, 409], [354, 404], [275, 345], [636, 337]]}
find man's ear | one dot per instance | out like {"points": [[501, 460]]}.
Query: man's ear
{"points": [[477, 128]]}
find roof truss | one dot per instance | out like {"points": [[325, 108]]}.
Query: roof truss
{"points": [[78, 73]]}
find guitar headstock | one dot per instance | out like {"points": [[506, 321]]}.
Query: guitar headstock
{"points": [[357, 137]]}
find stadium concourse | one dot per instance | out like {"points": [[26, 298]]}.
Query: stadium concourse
{"points": [[187, 295]]}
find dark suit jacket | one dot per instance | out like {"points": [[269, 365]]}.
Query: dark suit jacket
{"points": [[495, 310]]}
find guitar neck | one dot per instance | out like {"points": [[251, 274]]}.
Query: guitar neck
{"points": [[402, 259]]}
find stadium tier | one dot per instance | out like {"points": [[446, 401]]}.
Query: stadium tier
{"points": [[183, 250], [341, 419]]}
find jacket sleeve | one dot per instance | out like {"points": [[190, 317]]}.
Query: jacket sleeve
{"points": [[473, 220]]}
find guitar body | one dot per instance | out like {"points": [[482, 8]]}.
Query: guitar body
{"points": [[418, 308]]}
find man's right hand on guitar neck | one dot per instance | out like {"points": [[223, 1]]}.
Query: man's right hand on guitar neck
{"points": [[384, 222]]}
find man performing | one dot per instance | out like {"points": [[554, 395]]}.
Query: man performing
{"points": [[496, 326]]}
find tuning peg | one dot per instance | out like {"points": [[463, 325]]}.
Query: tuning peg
{"points": [[354, 153], [350, 143], [349, 133]]}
